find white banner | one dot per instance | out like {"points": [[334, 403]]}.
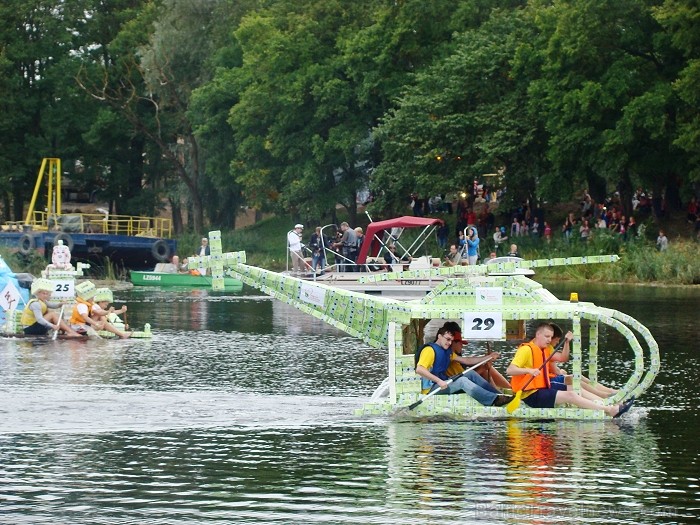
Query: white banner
{"points": [[10, 297], [312, 295], [482, 325]]}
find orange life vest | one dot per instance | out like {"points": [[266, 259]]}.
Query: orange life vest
{"points": [[76, 318], [539, 355]]}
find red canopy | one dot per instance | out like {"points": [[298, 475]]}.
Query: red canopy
{"points": [[375, 228]]}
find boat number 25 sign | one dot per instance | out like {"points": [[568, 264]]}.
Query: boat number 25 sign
{"points": [[63, 288], [482, 325]]}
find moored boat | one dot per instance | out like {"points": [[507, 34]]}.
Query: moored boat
{"points": [[385, 252], [181, 279], [493, 303], [134, 241]]}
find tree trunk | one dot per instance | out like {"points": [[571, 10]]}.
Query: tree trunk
{"points": [[176, 214], [626, 190], [596, 188], [352, 211], [673, 196]]}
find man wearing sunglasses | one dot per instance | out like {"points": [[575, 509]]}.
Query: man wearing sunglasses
{"points": [[434, 360]]}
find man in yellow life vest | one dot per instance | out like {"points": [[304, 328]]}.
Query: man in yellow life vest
{"points": [[433, 362], [529, 361], [36, 317]]}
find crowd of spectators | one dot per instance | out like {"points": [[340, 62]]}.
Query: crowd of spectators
{"points": [[477, 207], [477, 228]]}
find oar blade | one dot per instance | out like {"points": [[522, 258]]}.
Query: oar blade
{"points": [[514, 403]]}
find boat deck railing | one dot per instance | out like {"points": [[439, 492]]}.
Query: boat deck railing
{"points": [[95, 223]]}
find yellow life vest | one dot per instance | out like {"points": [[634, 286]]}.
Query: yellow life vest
{"points": [[28, 318]]}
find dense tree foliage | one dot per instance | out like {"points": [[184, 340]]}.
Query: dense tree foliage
{"points": [[296, 105]]}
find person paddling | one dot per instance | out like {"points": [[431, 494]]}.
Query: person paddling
{"points": [[36, 318], [81, 319], [433, 362], [538, 391], [103, 312]]}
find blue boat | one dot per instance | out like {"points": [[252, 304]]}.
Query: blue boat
{"points": [[136, 242]]}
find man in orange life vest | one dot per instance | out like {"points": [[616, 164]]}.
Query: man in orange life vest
{"points": [[541, 393]]}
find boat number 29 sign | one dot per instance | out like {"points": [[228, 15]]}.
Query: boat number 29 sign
{"points": [[482, 325]]}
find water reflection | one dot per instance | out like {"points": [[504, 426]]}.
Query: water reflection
{"points": [[530, 472]]}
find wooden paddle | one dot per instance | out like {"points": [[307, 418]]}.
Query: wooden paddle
{"points": [[60, 318], [513, 405], [450, 380]]}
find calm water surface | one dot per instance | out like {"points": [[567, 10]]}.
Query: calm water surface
{"points": [[239, 410]]}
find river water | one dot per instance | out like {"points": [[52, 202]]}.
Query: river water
{"points": [[239, 410]]}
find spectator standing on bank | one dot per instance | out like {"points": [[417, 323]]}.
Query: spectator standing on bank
{"points": [[585, 230], [662, 241], [499, 238], [547, 231], [692, 210]]}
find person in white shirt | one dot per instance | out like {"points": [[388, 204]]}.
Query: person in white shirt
{"points": [[295, 247]]}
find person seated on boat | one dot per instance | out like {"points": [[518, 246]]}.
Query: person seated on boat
{"points": [[541, 392], [433, 362], [81, 318], [491, 256], [184, 266], [36, 318], [391, 257], [487, 370], [60, 257], [453, 258], [513, 251], [557, 375], [172, 267], [102, 311]]}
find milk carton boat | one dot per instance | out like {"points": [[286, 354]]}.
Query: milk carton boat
{"points": [[492, 301], [63, 278]]}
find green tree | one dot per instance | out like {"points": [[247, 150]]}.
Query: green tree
{"points": [[603, 91], [209, 110], [41, 112], [301, 140], [463, 117], [680, 18], [158, 58]]}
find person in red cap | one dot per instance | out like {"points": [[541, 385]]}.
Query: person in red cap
{"points": [[432, 363], [487, 370]]}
